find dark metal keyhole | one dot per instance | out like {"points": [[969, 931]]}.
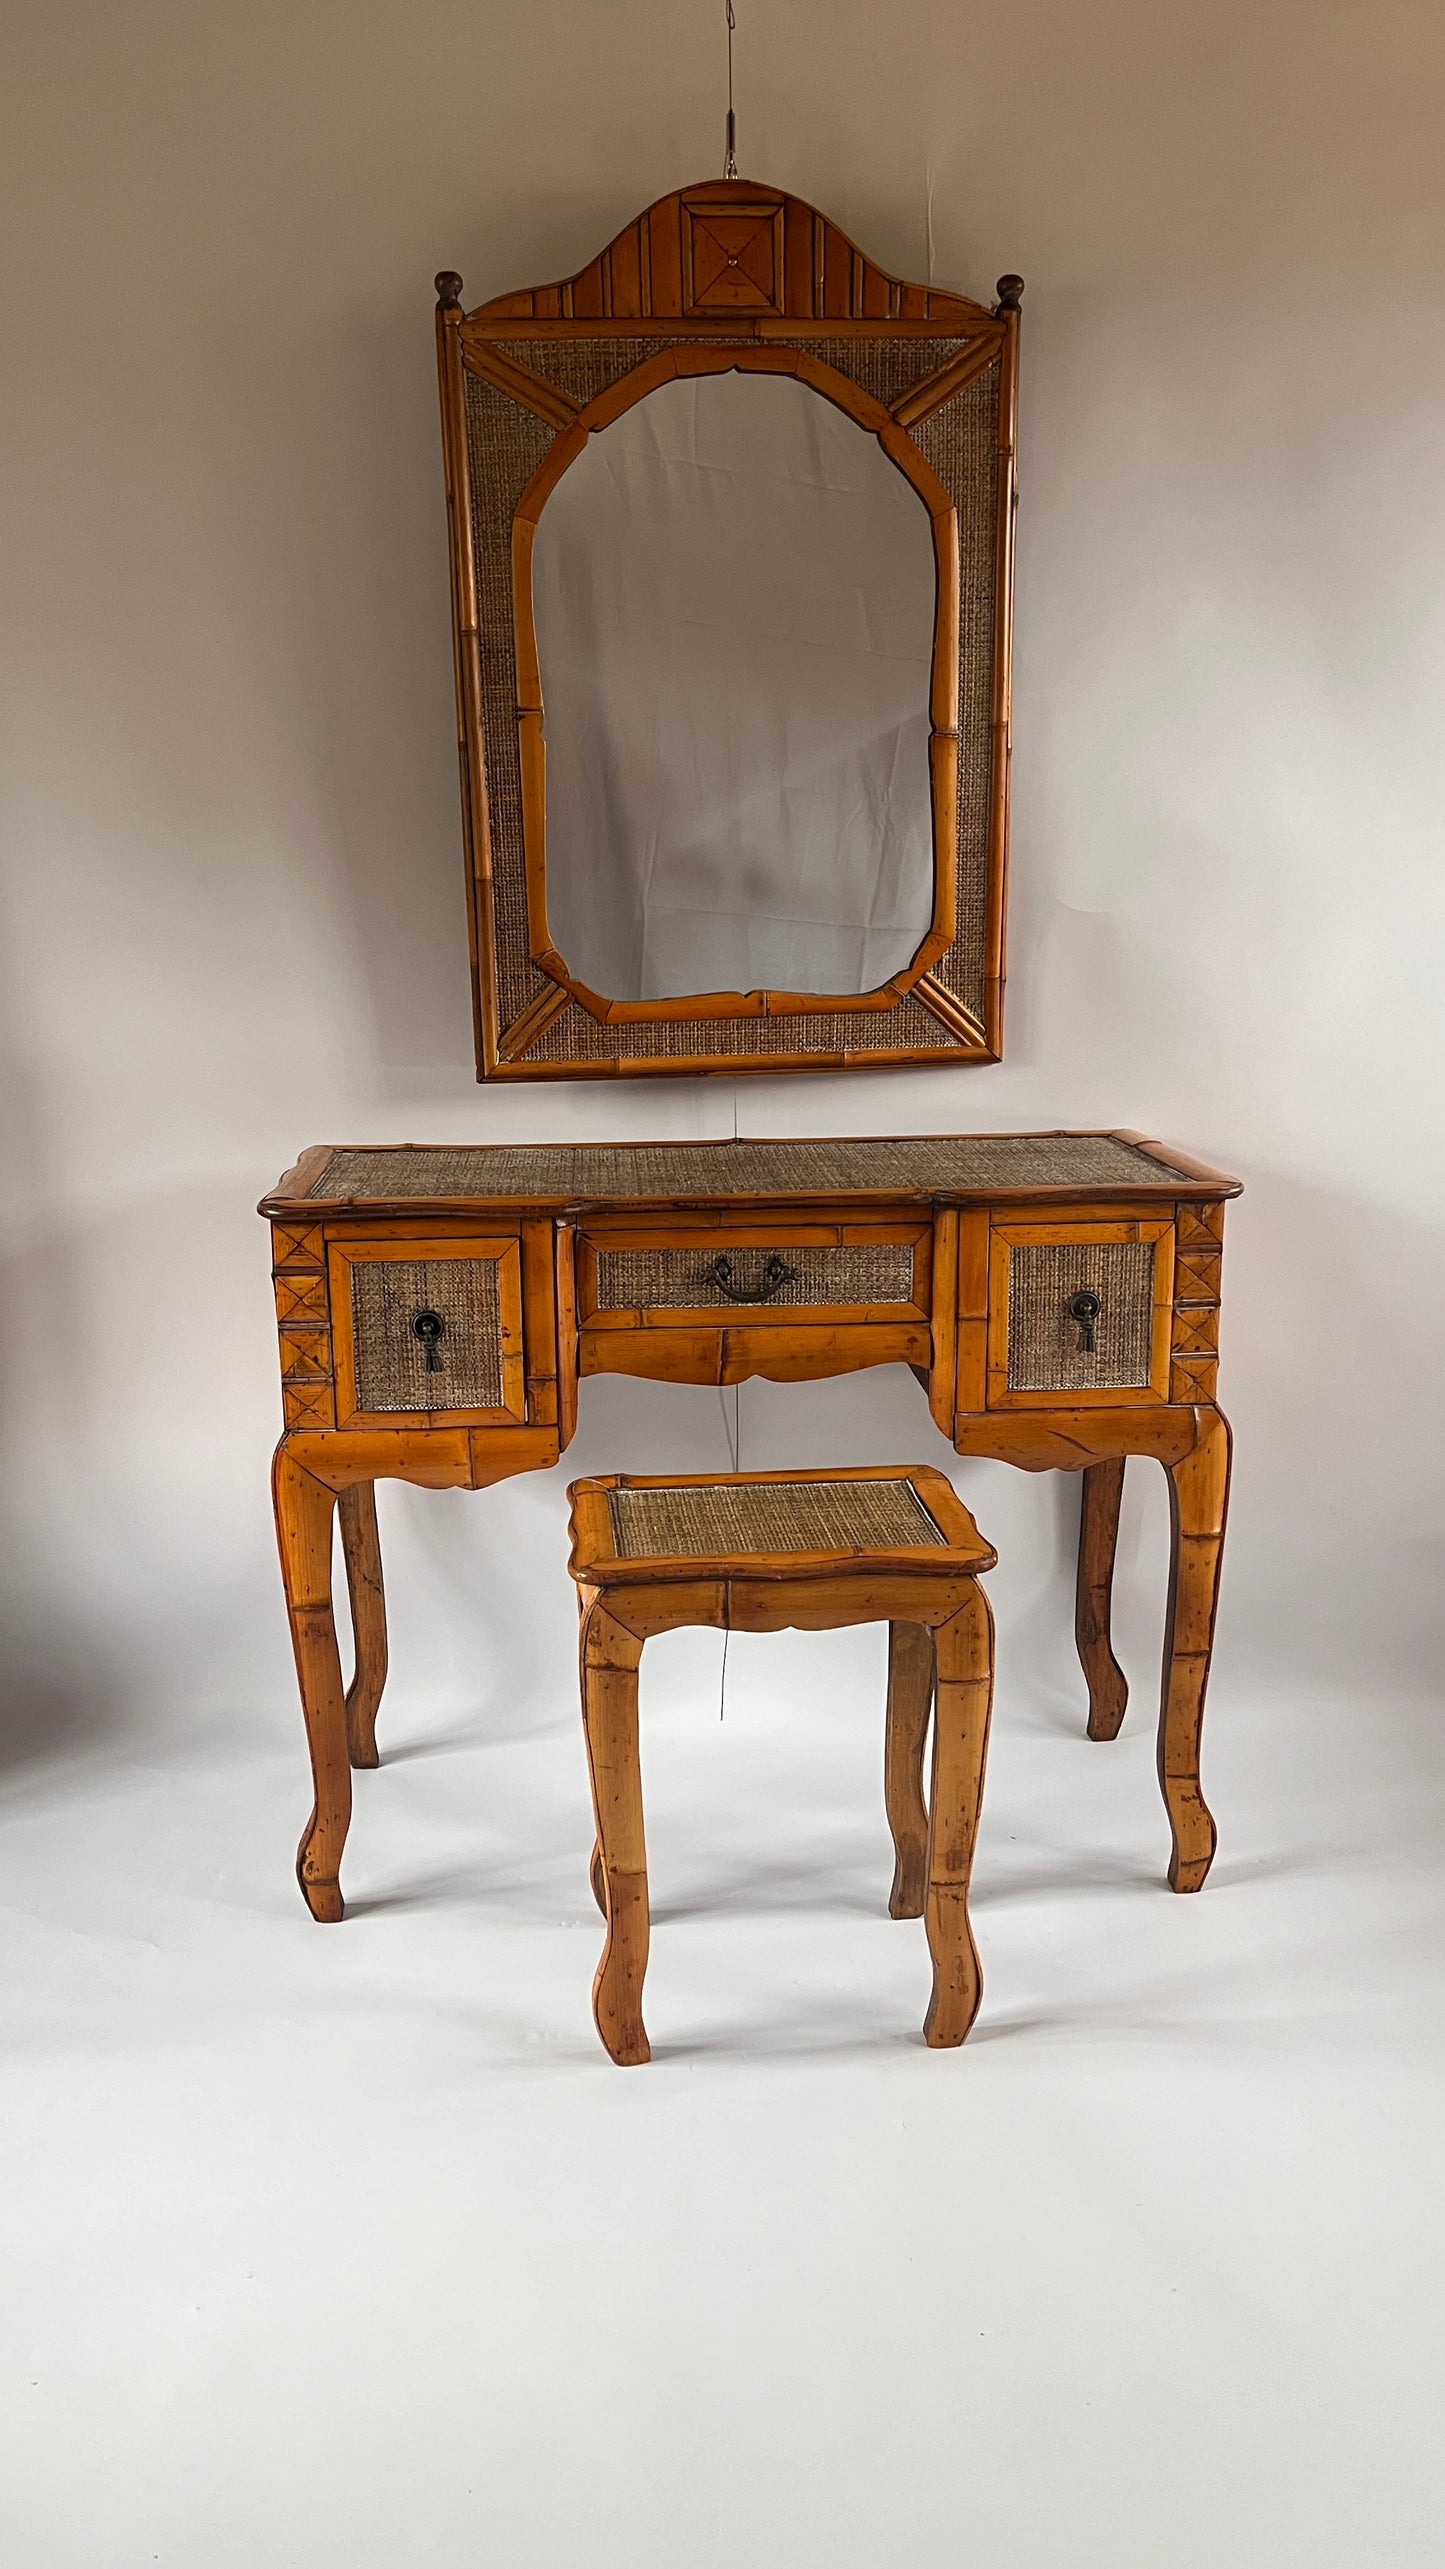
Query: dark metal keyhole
{"points": [[428, 1327], [775, 1275], [1085, 1308]]}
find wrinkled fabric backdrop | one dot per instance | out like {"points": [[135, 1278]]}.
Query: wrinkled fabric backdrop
{"points": [[233, 907]]}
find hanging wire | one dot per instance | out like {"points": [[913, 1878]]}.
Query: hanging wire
{"points": [[733, 1431], [735, 1439]]}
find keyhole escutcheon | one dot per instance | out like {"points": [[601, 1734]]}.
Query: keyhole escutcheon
{"points": [[1085, 1308], [428, 1327]]}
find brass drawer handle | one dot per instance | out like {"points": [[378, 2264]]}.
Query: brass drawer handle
{"points": [[774, 1276], [1085, 1308], [428, 1327]]}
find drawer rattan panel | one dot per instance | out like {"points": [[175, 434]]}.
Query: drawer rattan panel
{"points": [[391, 1367], [1045, 1349], [682, 1279]]}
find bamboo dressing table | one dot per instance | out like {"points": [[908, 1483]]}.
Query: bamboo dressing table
{"points": [[1056, 1295]]}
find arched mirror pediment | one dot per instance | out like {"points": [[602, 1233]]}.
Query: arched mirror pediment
{"points": [[731, 590]]}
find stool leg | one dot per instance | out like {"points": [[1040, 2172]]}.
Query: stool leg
{"points": [[610, 1656], [595, 1875], [910, 1700], [962, 1703]]}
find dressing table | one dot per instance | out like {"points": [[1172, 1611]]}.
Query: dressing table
{"points": [[1057, 1296], [731, 526]]}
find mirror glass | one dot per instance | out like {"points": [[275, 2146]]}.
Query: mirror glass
{"points": [[734, 599]]}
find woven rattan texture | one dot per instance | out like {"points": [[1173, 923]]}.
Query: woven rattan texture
{"points": [[582, 368], [960, 440], [1045, 1349], [886, 368], [736, 1518], [391, 1367], [505, 444], [660, 1172], [574, 1036], [682, 1279]]}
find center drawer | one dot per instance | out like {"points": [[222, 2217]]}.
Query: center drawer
{"points": [[755, 1274]]}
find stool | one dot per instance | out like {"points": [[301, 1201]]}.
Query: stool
{"points": [[762, 1552]]}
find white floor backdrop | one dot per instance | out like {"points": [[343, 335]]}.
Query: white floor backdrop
{"points": [[350, 2246]]}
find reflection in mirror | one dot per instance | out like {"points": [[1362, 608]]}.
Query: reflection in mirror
{"points": [[734, 596]]}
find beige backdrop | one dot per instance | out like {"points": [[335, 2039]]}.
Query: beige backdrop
{"points": [[233, 908]]}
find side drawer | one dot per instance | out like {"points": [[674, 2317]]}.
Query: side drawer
{"points": [[428, 1329], [753, 1273], [1079, 1312]]}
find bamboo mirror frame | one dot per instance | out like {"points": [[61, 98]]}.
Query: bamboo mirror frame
{"points": [[722, 277]]}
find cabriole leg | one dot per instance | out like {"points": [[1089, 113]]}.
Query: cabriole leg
{"points": [[910, 1699], [361, 1551], [963, 1699], [1198, 1497], [1103, 1488], [595, 1874], [610, 1656], [303, 1533]]}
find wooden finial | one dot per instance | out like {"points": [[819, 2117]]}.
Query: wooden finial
{"points": [[449, 291], [1010, 292]]}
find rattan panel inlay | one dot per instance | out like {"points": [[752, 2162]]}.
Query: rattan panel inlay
{"points": [[742, 1517], [583, 368], [681, 1279], [602, 1172], [887, 367], [1044, 1349], [505, 444], [960, 441], [574, 1036], [391, 1367]]}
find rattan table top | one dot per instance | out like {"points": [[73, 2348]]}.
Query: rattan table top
{"points": [[935, 1166]]}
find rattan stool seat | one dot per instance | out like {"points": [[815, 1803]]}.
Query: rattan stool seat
{"points": [[759, 1552]]}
